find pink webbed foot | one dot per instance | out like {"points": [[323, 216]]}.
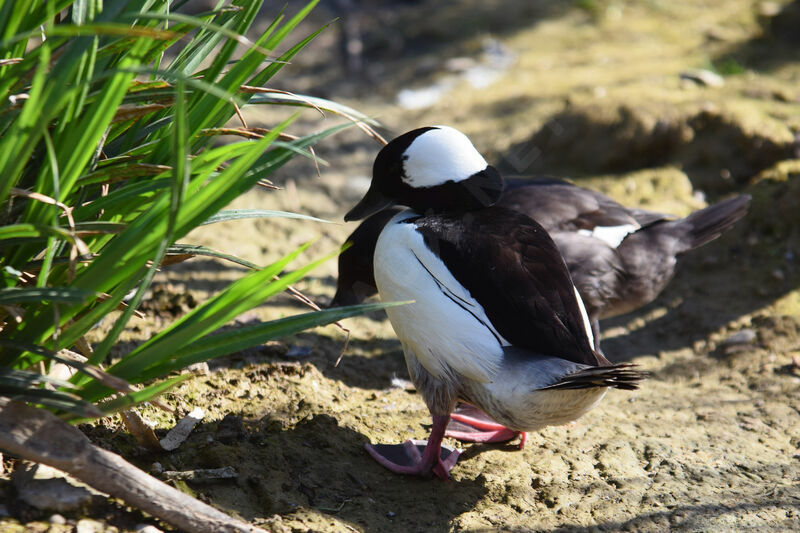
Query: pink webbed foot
{"points": [[410, 458], [418, 457], [470, 424]]}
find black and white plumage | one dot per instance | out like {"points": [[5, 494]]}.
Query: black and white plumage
{"points": [[496, 320], [619, 258]]}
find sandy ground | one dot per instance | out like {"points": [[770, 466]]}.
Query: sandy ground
{"points": [[592, 92]]}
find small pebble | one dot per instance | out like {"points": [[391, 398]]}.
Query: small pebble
{"points": [[699, 195], [57, 519], [86, 525], [460, 64], [703, 77], [200, 368], [391, 514], [743, 336], [156, 468], [298, 352], [146, 528]]}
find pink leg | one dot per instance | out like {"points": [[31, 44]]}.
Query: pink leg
{"points": [[406, 459], [476, 426]]}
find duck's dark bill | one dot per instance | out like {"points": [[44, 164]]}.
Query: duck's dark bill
{"points": [[372, 202]]}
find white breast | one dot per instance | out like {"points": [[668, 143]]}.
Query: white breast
{"points": [[445, 327]]}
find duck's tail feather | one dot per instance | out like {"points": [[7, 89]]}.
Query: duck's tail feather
{"points": [[619, 376], [707, 224]]}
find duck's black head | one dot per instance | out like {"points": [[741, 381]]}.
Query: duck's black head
{"points": [[433, 169]]}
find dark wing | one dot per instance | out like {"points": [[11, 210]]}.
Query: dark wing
{"points": [[646, 218], [560, 205], [512, 267], [596, 269], [356, 280]]}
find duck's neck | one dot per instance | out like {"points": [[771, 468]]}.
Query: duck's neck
{"points": [[479, 191]]}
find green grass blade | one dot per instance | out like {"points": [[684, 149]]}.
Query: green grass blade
{"points": [[313, 102], [61, 400], [45, 354], [123, 198], [128, 251], [239, 214], [241, 338], [24, 379], [16, 231], [13, 295], [197, 250], [148, 393]]}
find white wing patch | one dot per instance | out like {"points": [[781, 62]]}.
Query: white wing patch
{"points": [[613, 235], [445, 327], [440, 155]]}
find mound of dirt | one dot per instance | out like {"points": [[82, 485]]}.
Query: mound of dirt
{"points": [[717, 149]]}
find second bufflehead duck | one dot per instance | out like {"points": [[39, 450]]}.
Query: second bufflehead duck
{"points": [[495, 320]]}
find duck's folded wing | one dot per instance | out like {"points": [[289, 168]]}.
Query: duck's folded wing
{"points": [[596, 269], [511, 266], [560, 205]]}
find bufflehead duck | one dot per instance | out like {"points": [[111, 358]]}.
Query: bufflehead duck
{"points": [[619, 258], [495, 320]]}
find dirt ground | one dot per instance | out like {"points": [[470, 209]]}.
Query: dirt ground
{"points": [[596, 91]]}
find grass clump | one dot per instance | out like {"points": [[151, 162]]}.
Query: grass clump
{"points": [[107, 158]]}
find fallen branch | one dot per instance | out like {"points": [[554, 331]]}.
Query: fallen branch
{"points": [[38, 435]]}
